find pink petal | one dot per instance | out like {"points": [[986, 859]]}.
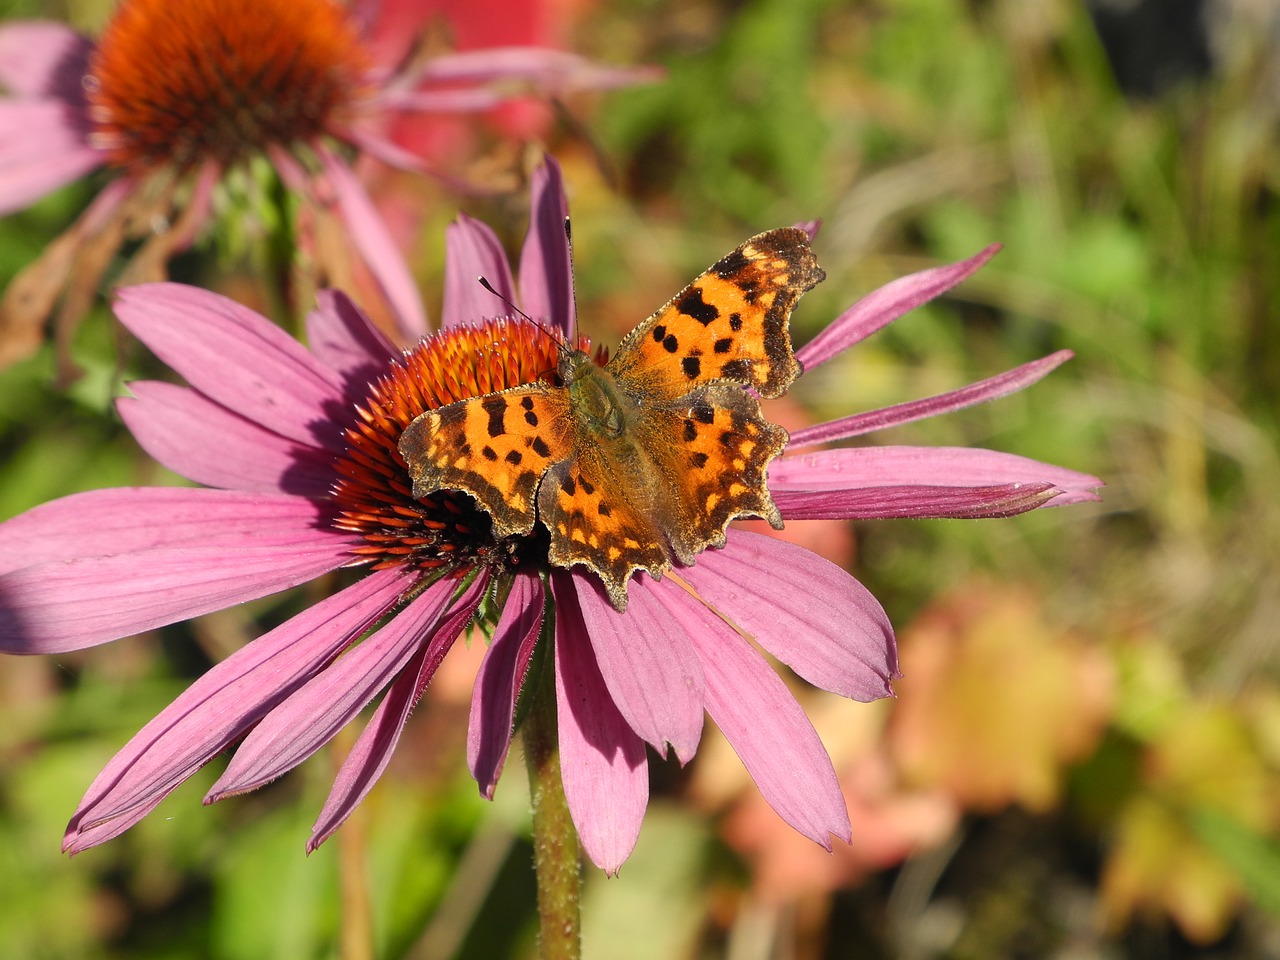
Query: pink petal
{"points": [[156, 572], [368, 759], [647, 662], [237, 358], [42, 148], [550, 71], [472, 250], [915, 501], [221, 705], [806, 611], [546, 267], [1011, 381], [375, 244], [43, 58], [772, 736], [855, 468], [343, 339], [313, 713], [886, 304], [500, 679], [602, 763], [205, 442]]}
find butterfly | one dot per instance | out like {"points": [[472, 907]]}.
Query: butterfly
{"points": [[642, 462]]}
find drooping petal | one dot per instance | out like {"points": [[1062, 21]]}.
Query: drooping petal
{"points": [[43, 58], [220, 706], [602, 762], [42, 148], [498, 682], [546, 268], [308, 719], [203, 441], [472, 250], [343, 338], [770, 733], [857, 468], [369, 757], [647, 662], [1011, 381], [135, 559], [805, 610], [377, 248], [544, 69], [886, 304], [919, 502], [237, 358]]}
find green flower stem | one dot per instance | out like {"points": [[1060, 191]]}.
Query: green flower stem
{"points": [[555, 840]]}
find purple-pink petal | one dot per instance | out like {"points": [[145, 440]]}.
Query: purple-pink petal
{"points": [[368, 759], [472, 250], [376, 246], [1011, 381], [602, 762], [43, 58], [317, 710], [886, 304], [910, 501], [805, 610], [855, 468], [237, 358], [648, 663], [203, 441], [42, 148], [499, 680], [771, 734], [546, 269], [547, 70], [221, 705], [342, 338]]}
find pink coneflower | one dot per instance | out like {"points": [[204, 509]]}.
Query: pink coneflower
{"points": [[297, 485], [173, 96]]}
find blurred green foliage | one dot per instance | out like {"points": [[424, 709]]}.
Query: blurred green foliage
{"points": [[1142, 232]]}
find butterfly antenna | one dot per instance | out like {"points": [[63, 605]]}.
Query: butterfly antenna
{"points": [[573, 281], [484, 282]]}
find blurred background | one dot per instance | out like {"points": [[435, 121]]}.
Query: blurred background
{"points": [[1083, 760]]}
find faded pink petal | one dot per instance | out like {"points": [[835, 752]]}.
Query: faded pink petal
{"points": [[205, 442], [221, 705], [886, 304], [602, 762], [343, 338], [808, 612], [541, 67], [769, 731], [42, 148], [376, 245], [472, 251], [369, 757], [499, 680], [306, 721], [546, 269], [1011, 381], [648, 663], [43, 58], [237, 358]]}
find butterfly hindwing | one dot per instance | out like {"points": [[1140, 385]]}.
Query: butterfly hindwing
{"points": [[495, 447], [730, 324]]}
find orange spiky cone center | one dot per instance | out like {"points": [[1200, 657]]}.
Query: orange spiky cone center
{"points": [[374, 496], [182, 82]]}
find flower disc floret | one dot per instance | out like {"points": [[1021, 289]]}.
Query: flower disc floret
{"points": [[185, 82]]}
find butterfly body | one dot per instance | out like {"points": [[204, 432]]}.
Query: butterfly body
{"points": [[644, 461]]}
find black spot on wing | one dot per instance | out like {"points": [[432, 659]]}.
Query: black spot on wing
{"points": [[514, 457], [495, 408], [704, 413], [723, 345], [670, 343], [730, 266], [692, 305], [735, 321], [737, 370], [690, 431], [691, 366], [488, 453], [540, 447], [698, 461]]}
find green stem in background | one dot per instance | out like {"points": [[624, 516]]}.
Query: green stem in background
{"points": [[555, 840]]}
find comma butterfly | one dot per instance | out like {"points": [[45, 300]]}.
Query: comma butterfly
{"points": [[643, 461]]}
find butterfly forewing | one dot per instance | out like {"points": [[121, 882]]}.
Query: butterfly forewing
{"points": [[729, 324]]}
